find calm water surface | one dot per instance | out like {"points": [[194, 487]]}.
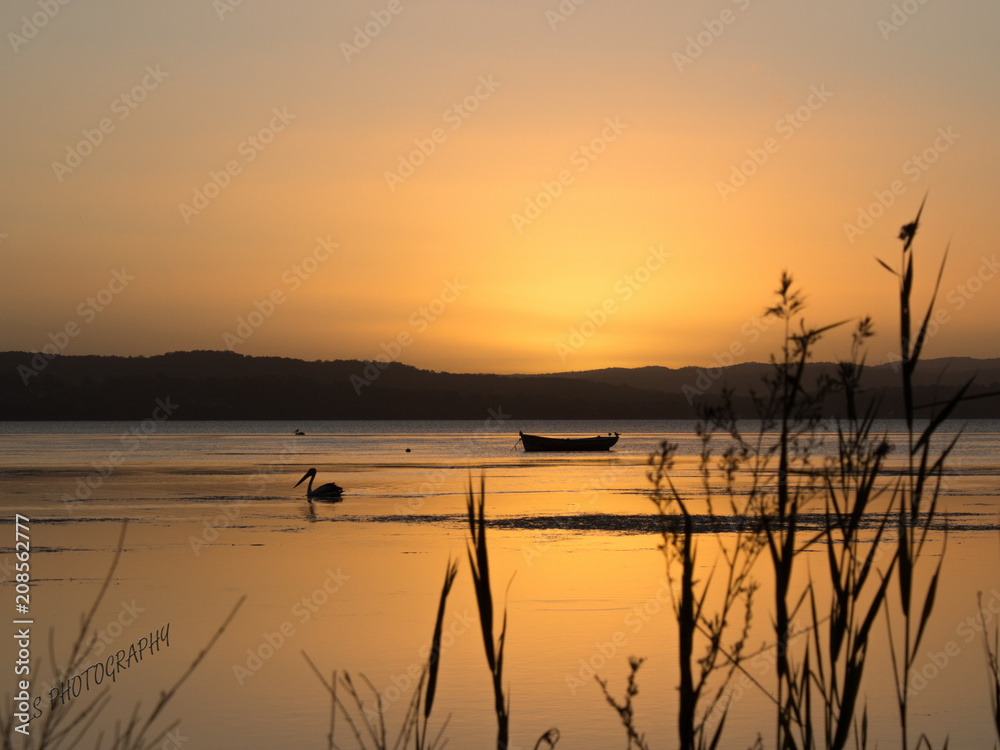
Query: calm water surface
{"points": [[213, 515]]}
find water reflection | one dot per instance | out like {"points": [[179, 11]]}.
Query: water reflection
{"points": [[574, 537]]}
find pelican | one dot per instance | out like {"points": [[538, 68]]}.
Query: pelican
{"points": [[329, 491], [298, 432]]}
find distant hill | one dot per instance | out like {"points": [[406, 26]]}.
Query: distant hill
{"points": [[936, 380], [226, 385], [948, 372]]}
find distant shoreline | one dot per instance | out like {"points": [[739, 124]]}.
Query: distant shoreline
{"points": [[211, 385]]}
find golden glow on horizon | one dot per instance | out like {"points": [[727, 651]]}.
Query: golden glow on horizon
{"points": [[532, 168]]}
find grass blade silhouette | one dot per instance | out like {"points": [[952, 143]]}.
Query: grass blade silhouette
{"points": [[480, 564]]}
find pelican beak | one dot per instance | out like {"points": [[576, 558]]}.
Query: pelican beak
{"points": [[302, 480]]}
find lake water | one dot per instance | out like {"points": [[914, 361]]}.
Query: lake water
{"points": [[213, 515]]}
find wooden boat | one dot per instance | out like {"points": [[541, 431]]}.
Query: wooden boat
{"points": [[534, 443]]}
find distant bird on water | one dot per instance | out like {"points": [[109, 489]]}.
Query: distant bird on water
{"points": [[298, 432], [327, 492]]}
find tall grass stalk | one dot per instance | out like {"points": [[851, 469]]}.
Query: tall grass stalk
{"points": [[819, 681], [776, 470], [853, 487], [435, 655], [797, 410], [992, 647], [708, 661], [479, 562], [367, 724], [919, 490], [480, 565], [625, 710]]}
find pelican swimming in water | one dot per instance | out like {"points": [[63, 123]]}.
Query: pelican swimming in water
{"points": [[329, 491]]}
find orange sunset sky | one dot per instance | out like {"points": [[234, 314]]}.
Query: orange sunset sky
{"points": [[518, 186]]}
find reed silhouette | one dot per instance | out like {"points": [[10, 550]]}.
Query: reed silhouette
{"points": [[818, 680], [771, 496], [74, 724]]}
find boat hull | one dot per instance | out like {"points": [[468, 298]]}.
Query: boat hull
{"points": [[538, 443]]}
